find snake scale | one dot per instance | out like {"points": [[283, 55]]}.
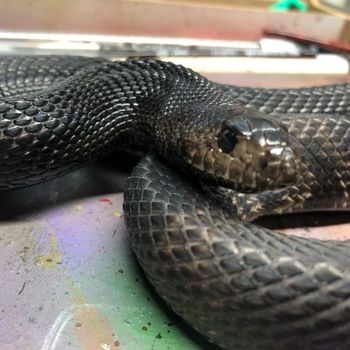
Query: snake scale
{"points": [[254, 151]]}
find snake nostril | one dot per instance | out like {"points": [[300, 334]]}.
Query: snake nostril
{"points": [[264, 164]]}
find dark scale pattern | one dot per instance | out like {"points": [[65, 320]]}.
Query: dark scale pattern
{"points": [[25, 74], [77, 118], [324, 170], [332, 99], [242, 286]]}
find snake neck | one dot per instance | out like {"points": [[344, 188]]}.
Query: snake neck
{"points": [[22, 75], [77, 119], [322, 144], [328, 99]]}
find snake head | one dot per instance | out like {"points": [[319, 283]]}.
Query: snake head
{"points": [[241, 149]]}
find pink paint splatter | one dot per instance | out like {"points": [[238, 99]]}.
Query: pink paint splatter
{"points": [[105, 200]]}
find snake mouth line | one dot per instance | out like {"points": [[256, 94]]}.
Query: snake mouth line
{"points": [[248, 169], [318, 225]]}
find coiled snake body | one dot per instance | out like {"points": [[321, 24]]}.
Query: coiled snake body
{"points": [[256, 151]]}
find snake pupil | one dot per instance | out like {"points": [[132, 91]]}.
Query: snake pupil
{"points": [[227, 140]]}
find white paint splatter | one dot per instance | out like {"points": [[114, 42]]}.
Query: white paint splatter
{"points": [[56, 329]]}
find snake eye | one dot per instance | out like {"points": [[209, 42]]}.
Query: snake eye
{"points": [[227, 140]]}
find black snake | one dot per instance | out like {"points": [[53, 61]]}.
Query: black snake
{"points": [[256, 151]]}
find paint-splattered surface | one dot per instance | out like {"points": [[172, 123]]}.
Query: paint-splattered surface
{"points": [[69, 279]]}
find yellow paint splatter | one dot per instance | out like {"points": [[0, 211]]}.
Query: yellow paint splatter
{"points": [[75, 292], [117, 213], [77, 209], [53, 259]]}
